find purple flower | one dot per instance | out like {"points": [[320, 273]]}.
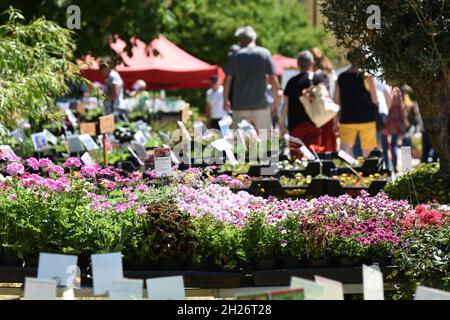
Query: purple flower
{"points": [[12, 197], [120, 207], [142, 188], [89, 171], [72, 162], [33, 163], [15, 168], [57, 170]]}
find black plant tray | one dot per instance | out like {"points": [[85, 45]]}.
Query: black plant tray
{"points": [[283, 277]]}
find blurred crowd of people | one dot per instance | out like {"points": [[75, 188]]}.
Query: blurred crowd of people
{"points": [[373, 114]]}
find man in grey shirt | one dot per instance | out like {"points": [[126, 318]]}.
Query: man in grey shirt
{"points": [[250, 68]]}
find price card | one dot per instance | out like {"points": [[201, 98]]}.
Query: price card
{"points": [[406, 158], [107, 124], [140, 138], [293, 294], [167, 288], [184, 131], [334, 290], [105, 268], [163, 162], [89, 128], [39, 141], [425, 293], [313, 290], [59, 267], [74, 144], [225, 129], [126, 289], [88, 142], [307, 153], [87, 159], [346, 157], [39, 289], [373, 283]]}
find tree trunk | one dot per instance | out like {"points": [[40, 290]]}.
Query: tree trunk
{"points": [[434, 105]]}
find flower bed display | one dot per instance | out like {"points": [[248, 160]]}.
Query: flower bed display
{"points": [[197, 222]]}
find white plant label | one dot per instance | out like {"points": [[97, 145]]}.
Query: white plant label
{"points": [[425, 293], [347, 158], [334, 290], [50, 137], [105, 268], [307, 153], [373, 283], [75, 144], [126, 289], [184, 131], [87, 159], [88, 142], [39, 141], [406, 158], [59, 267], [168, 288], [39, 289], [313, 290], [140, 138], [163, 162]]}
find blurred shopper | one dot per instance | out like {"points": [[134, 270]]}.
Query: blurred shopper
{"points": [[397, 123], [214, 103], [299, 123], [359, 107], [113, 86], [323, 65], [249, 68]]}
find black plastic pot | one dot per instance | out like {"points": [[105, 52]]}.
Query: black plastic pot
{"points": [[169, 265], [348, 262], [197, 266], [291, 263], [11, 262], [382, 261], [31, 262], [320, 263], [266, 264]]}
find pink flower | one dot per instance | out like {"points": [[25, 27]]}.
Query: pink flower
{"points": [[45, 162], [120, 207], [15, 168], [57, 170], [33, 163], [12, 197], [89, 171], [132, 197], [72, 162], [142, 188]]}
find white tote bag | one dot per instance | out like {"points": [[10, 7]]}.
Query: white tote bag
{"points": [[318, 104]]}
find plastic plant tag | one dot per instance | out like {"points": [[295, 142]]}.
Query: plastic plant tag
{"points": [[307, 153], [88, 142], [406, 158], [39, 289], [372, 283], [140, 138], [105, 268], [167, 288], [74, 144], [7, 150], [163, 162], [87, 159], [334, 290], [184, 131], [225, 129], [59, 267], [39, 141], [425, 293], [346, 157], [313, 290], [126, 289]]}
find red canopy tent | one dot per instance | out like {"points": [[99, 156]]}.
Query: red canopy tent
{"points": [[162, 65], [282, 62]]}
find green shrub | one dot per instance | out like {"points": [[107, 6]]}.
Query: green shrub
{"points": [[428, 185]]}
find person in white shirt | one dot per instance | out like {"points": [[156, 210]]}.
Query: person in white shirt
{"points": [[114, 86], [214, 102]]}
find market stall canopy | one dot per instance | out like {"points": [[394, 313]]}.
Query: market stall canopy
{"points": [[162, 65], [282, 62]]}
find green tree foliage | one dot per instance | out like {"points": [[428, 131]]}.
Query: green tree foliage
{"points": [[35, 63], [412, 46]]}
